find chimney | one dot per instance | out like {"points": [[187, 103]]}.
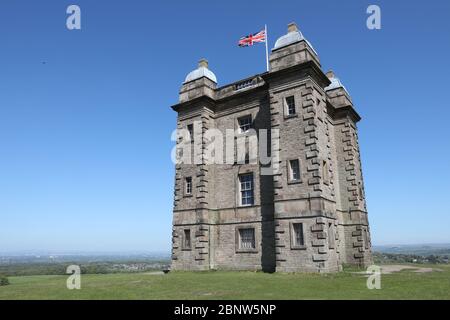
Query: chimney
{"points": [[203, 63], [330, 74], [292, 27]]}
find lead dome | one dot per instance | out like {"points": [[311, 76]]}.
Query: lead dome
{"points": [[201, 71], [294, 35]]}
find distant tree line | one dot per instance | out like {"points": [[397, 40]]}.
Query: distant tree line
{"points": [[30, 269], [381, 257]]}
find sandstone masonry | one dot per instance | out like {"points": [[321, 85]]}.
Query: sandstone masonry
{"points": [[311, 215]]}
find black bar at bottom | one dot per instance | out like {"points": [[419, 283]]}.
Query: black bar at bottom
{"points": [[258, 309]]}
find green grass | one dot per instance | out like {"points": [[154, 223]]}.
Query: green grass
{"points": [[233, 285]]}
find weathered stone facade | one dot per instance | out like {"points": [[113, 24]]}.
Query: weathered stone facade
{"points": [[315, 222]]}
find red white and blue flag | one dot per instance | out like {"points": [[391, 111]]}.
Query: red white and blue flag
{"points": [[252, 39]]}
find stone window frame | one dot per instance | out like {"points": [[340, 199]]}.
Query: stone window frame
{"points": [[366, 238], [185, 187], [283, 97], [190, 129], [239, 185], [184, 246], [239, 126], [288, 171], [238, 248], [292, 235], [286, 106], [332, 235]]}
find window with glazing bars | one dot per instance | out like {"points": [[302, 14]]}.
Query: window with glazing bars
{"points": [[247, 238], [290, 105], [294, 166], [245, 123], [246, 186], [188, 185]]}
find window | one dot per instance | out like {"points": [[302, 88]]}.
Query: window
{"points": [[247, 239], [190, 128], [298, 238], [331, 236], [245, 123], [366, 238], [294, 170], [325, 173], [187, 239], [188, 186], [246, 188], [290, 105]]}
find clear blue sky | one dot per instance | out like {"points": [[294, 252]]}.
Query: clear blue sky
{"points": [[85, 137]]}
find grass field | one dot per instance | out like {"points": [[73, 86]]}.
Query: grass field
{"points": [[405, 284]]}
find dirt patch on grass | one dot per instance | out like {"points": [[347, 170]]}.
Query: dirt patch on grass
{"points": [[386, 269], [155, 273], [391, 268]]}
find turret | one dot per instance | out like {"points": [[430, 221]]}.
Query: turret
{"points": [[337, 93], [355, 249], [200, 82], [292, 49]]}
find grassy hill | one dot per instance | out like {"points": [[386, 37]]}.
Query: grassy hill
{"points": [[405, 284]]}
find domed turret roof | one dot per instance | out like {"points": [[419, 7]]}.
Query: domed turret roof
{"points": [[201, 71], [294, 35], [335, 82]]}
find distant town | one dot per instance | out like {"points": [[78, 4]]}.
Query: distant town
{"points": [[98, 263]]}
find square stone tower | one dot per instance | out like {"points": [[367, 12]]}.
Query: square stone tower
{"points": [[302, 210]]}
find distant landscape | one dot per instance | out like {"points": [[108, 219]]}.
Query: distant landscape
{"points": [[419, 249], [424, 273], [19, 264], [90, 263], [421, 254]]}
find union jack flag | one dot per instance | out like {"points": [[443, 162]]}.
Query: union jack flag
{"points": [[252, 38]]}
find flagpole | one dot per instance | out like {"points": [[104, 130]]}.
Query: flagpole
{"points": [[267, 48]]}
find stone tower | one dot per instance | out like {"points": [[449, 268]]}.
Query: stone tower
{"points": [[309, 213]]}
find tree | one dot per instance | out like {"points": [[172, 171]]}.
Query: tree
{"points": [[3, 280]]}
